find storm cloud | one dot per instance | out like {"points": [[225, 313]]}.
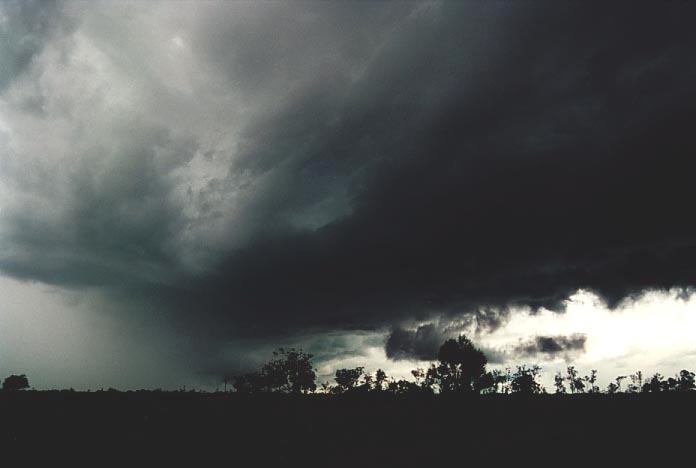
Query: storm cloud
{"points": [[421, 344], [253, 170], [550, 347]]}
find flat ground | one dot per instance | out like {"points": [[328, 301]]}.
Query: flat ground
{"points": [[368, 430]]}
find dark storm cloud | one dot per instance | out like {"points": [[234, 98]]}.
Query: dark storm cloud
{"points": [[493, 171], [538, 348], [391, 162], [420, 344], [423, 342], [549, 347]]}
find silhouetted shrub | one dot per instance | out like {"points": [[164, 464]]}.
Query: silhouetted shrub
{"points": [[15, 382]]}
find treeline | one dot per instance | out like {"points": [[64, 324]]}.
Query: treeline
{"points": [[461, 368]]}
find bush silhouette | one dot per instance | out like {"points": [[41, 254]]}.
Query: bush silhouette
{"points": [[15, 382]]}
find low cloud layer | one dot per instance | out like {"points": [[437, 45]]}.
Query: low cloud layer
{"points": [[551, 347], [253, 170], [421, 344]]}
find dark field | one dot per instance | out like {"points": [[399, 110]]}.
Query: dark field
{"points": [[367, 430]]}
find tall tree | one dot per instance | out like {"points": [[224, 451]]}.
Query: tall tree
{"points": [[461, 365], [290, 371], [347, 379], [592, 380], [558, 381], [575, 382]]}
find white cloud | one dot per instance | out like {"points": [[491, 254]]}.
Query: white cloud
{"points": [[653, 333]]}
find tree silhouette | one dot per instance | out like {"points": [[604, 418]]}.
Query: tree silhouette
{"points": [[461, 366], [403, 387], [290, 371], [15, 382], [636, 384], [615, 387], [380, 379], [592, 380], [418, 375], [253, 382], [655, 384], [347, 379], [575, 382], [525, 381], [326, 387], [367, 381], [558, 381], [492, 382], [685, 381]]}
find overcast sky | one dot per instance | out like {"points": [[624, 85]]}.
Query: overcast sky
{"points": [[185, 186]]}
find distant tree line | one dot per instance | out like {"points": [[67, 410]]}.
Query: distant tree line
{"points": [[460, 369]]}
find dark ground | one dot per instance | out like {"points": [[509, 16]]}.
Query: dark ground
{"points": [[368, 430]]}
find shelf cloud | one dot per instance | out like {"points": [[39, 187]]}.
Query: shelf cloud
{"points": [[257, 170]]}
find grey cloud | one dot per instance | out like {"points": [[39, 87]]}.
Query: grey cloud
{"points": [[550, 347], [496, 356], [326, 347], [257, 171], [292, 45], [115, 215], [538, 348], [25, 27], [423, 342], [420, 344]]}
